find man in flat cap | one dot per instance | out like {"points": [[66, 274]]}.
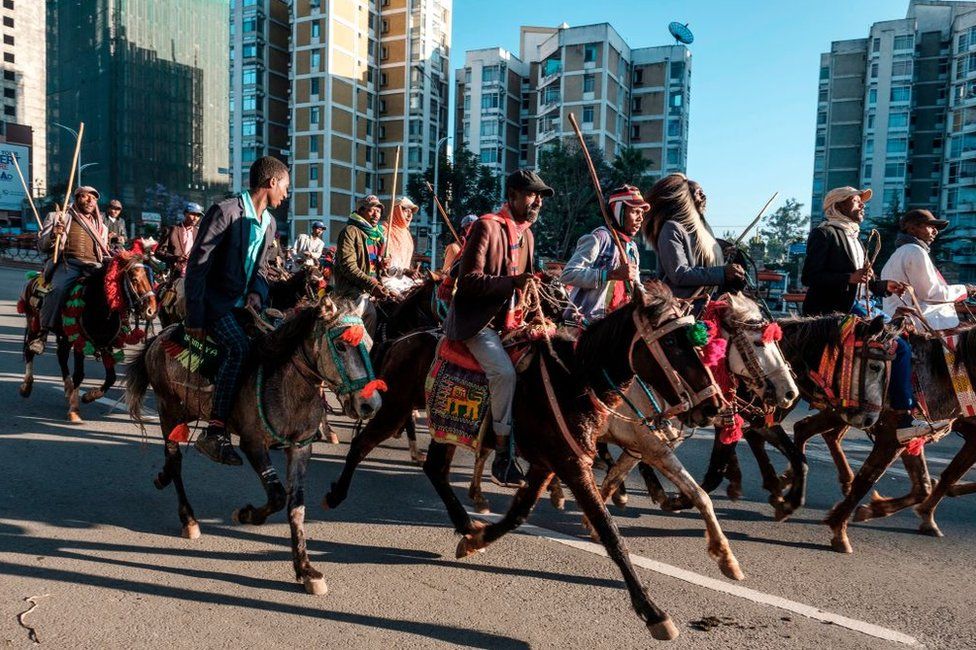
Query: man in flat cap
{"points": [[356, 273], [84, 244], [115, 224], [496, 263]]}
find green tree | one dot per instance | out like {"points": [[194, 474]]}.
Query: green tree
{"points": [[888, 226], [787, 225], [573, 209], [630, 167]]}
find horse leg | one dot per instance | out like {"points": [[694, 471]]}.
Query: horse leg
{"points": [[879, 506], [297, 463], [615, 477], [418, 456], [474, 490], [733, 473], [73, 395], [845, 475], [653, 483], [110, 376], [620, 494], [954, 471], [257, 455], [388, 419], [579, 480], [556, 495], [961, 489], [718, 464], [882, 455], [526, 496], [437, 467], [770, 479], [172, 472], [803, 432], [799, 470], [28, 384]]}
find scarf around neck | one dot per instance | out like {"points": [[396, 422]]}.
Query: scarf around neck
{"points": [[904, 238], [373, 233]]}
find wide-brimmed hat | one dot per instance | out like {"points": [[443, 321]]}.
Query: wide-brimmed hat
{"points": [[87, 189], [527, 180], [841, 194], [913, 217]]}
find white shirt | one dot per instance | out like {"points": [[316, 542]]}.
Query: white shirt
{"points": [[308, 244], [912, 265]]}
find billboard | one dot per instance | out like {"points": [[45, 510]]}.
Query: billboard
{"points": [[11, 191]]}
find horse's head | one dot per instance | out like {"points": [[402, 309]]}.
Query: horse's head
{"points": [[340, 347], [554, 295], [874, 349], [664, 354], [129, 285], [753, 353]]}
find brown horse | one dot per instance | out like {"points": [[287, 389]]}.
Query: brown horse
{"points": [[94, 321], [562, 403], [279, 401]]}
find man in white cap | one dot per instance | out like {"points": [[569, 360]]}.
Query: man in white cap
{"points": [[310, 246], [84, 244]]}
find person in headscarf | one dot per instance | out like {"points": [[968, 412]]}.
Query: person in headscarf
{"points": [[399, 244], [689, 258], [596, 272]]}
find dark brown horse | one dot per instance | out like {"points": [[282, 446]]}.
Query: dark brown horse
{"points": [[95, 321], [562, 403], [279, 401]]}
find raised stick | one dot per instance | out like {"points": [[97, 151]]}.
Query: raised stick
{"points": [[30, 200], [443, 212], [71, 181], [389, 218]]}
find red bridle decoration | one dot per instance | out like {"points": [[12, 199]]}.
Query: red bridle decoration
{"points": [[715, 357], [113, 283], [772, 333], [371, 388], [353, 335]]}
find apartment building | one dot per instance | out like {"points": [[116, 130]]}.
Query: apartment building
{"points": [[367, 76], [897, 113], [621, 96]]}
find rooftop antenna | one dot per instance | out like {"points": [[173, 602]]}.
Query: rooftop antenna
{"points": [[681, 33]]}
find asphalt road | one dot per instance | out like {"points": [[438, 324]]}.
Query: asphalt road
{"points": [[82, 524]]}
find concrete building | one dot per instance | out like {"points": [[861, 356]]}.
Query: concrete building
{"points": [[897, 113], [621, 96], [24, 81], [150, 81], [367, 76]]}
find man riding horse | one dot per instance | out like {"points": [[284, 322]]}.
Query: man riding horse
{"points": [[227, 269], [495, 264], [83, 239], [175, 249], [836, 265], [356, 272]]}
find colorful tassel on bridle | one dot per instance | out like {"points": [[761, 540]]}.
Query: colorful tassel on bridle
{"points": [[371, 388], [180, 433], [716, 348], [773, 332], [353, 335]]}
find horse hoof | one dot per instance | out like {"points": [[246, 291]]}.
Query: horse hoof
{"points": [[236, 516], [191, 531], [333, 439], [482, 508], [620, 500], [464, 548], [419, 458], [315, 586], [74, 418], [782, 512], [930, 530], [161, 481], [840, 545], [664, 631], [559, 503], [91, 396], [863, 513], [730, 569], [26, 390], [734, 492]]}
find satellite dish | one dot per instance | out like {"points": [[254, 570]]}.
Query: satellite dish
{"points": [[681, 33]]}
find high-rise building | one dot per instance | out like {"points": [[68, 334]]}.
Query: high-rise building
{"points": [[260, 58], [894, 115], [24, 82], [367, 77], [150, 81], [508, 108]]}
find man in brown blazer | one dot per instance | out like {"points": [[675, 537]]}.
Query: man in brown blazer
{"points": [[497, 263], [175, 250]]}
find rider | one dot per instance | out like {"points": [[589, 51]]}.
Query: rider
{"points": [[689, 258], [452, 250], [84, 244], [911, 264], [175, 250], [595, 271], [115, 224], [836, 264], [309, 247], [356, 271], [497, 261], [235, 235], [400, 246]]}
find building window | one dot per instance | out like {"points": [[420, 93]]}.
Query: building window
{"points": [[489, 128], [313, 144], [589, 53], [898, 120], [314, 86], [249, 128], [382, 106], [8, 39], [876, 45], [872, 96], [316, 29], [638, 76], [467, 103], [8, 57], [8, 21], [891, 196], [313, 173], [551, 67], [674, 128], [868, 170], [897, 146], [868, 147], [874, 70], [250, 77], [636, 105], [489, 101], [674, 156], [824, 72], [905, 42], [369, 155], [385, 26], [821, 139], [870, 120], [10, 111], [10, 93], [588, 115], [489, 156], [313, 200], [901, 68], [677, 70], [822, 96], [249, 103], [250, 50], [316, 60], [489, 74], [250, 25], [901, 93], [8, 4], [9, 75], [384, 53], [635, 132], [895, 170], [313, 114], [383, 80], [589, 82]]}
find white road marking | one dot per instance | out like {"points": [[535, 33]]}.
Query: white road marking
{"points": [[731, 589]]}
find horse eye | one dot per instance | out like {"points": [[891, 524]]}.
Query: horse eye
{"points": [[340, 346], [876, 367]]}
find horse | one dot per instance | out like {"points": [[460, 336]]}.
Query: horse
{"points": [[278, 401], [94, 322], [302, 286], [562, 403]]}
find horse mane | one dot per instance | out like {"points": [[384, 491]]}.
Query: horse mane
{"points": [[812, 332], [966, 350], [741, 307], [274, 349], [114, 276]]}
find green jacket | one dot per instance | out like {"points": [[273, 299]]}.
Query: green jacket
{"points": [[351, 274]]}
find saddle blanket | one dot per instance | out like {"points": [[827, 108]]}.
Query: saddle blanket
{"points": [[201, 357], [961, 383]]}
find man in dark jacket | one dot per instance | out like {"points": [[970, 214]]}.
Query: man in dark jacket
{"points": [[227, 269], [497, 261], [115, 224]]}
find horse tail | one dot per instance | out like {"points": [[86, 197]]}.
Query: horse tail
{"points": [[136, 384]]}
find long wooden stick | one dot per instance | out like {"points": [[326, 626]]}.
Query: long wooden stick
{"points": [[599, 192], [443, 212], [389, 218], [30, 200], [71, 181]]}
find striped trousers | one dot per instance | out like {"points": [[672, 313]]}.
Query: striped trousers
{"points": [[234, 348]]}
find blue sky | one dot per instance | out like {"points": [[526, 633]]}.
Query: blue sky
{"points": [[755, 65]]}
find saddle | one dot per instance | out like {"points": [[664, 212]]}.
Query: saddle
{"points": [[199, 357]]}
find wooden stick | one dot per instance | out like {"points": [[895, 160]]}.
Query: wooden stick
{"points": [[71, 181], [443, 212], [30, 199], [389, 218]]}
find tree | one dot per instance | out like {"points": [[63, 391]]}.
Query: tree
{"points": [[573, 209], [888, 226], [630, 168], [786, 226]]}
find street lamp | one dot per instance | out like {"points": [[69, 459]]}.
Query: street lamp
{"points": [[433, 203], [81, 168], [74, 134]]}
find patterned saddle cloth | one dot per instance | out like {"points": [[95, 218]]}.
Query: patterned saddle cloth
{"points": [[456, 391], [200, 357]]}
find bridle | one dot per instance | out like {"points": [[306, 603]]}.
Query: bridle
{"points": [[756, 377], [132, 296], [845, 362]]}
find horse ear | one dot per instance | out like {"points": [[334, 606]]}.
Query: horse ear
{"points": [[327, 308], [876, 326], [637, 294]]}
